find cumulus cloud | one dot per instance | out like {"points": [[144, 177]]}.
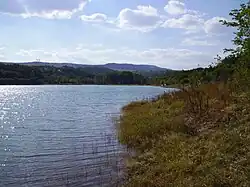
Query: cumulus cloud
{"points": [[187, 21], [190, 20], [175, 7], [195, 23], [178, 7], [214, 26], [166, 57], [143, 18], [50, 9]]}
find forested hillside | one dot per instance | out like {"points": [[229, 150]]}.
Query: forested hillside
{"points": [[21, 74], [222, 71]]}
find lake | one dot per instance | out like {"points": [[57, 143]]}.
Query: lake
{"points": [[63, 135]]}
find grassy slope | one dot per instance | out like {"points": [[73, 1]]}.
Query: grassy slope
{"points": [[199, 137]]}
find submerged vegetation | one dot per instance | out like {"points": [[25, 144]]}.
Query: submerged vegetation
{"points": [[200, 135]]}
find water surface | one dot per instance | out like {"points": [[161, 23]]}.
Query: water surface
{"points": [[62, 135]]}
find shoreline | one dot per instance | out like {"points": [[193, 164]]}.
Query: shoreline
{"points": [[76, 85], [175, 145]]}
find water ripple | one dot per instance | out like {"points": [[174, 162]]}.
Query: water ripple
{"points": [[62, 135]]}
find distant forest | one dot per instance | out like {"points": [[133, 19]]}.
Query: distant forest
{"points": [[222, 71], [16, 74]]}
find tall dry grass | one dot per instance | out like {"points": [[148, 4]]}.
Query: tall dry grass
{"points": [[199, 136]]}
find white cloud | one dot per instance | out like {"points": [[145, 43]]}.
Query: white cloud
{"points": [[196, 41], [178, 7], [168, 57], [191, 20], [187, 21], [213, 26], [172, 53], [144, 18], [55, 14], [194, 22], [176, 58], [48, 9], [95, 18], [175, 7]]}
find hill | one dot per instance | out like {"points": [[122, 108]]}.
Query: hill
{"points": [[112, 66], [133, 67], [12, 73]]}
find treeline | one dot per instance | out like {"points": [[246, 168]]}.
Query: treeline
{"points": [[214, 73], [16, 74]]}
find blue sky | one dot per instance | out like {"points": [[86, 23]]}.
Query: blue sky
{"points": [[177, 34]]}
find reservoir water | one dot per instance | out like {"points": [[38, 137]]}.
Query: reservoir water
{"points": [[62, 135]]}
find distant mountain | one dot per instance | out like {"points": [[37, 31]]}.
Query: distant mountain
{"points": [[110, 66], [133, 67]]}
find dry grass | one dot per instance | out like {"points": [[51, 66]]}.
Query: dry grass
{"points": [[195, 137]]}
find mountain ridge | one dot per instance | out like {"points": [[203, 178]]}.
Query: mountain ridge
{"points": [[112, 66]]}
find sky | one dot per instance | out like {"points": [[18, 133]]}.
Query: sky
{"points": [[176, 34]]}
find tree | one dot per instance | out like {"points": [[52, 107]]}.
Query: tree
{"points": [[240, 21]]}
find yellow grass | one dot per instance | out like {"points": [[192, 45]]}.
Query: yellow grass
{"points": [[195, 137]]}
